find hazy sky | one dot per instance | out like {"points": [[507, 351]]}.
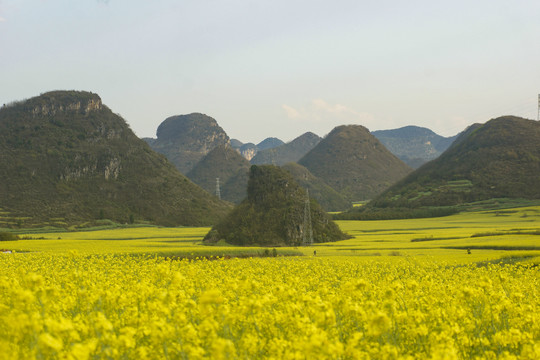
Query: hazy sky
{"points": [[281, 67]]}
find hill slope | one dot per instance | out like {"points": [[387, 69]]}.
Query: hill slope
{"points": [[67, 157], [229, 166], [354, 162], [328, 198], [273, 213], [414, 145], [185, 139], [289, 152], [500, 159]]}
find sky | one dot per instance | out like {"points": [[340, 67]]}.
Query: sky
{"points": [[280, 68]]}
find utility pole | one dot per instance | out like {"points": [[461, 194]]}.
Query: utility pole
{"points": [[218, 190], [538, 116], [308, 231]]}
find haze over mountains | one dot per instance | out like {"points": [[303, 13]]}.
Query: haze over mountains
{"points": [[414, 145], [289, 152]]}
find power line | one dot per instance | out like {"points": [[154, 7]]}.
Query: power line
{"points": [[308, 231]]}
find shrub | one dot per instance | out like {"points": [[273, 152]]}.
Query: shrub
{"points": [[7, 236]]}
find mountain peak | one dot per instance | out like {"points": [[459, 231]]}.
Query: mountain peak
{"points": [[53, 102], [185, 139], [352, 161]]}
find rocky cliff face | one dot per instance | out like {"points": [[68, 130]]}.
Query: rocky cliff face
{"points": [[248, 151]]}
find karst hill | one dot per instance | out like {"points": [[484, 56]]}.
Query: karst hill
{"points": [[499, 159], [229, 166], [273, 214], [353, 162], [66, 158], [186, 139]]}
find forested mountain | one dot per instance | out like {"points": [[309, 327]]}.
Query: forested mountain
{"points": [[66, 158]]}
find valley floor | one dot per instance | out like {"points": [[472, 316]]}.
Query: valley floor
{"points": [[466, 237]]}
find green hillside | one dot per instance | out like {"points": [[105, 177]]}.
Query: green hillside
{"points": [[273, 214], [68, 159], [500, 159], [229, 166], [355, 163], [328, 198]]}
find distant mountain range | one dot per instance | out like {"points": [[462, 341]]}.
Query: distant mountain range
{"points": [[414, 145], [250, 150], [68, 159], [289, 152]]}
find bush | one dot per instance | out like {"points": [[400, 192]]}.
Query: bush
{"points": [[6, 236]]}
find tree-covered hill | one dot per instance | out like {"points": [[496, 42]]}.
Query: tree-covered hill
{"points": [[66, 158], [273, 214], [500, 159], [229, 166], [353, 162], [328, 198]]}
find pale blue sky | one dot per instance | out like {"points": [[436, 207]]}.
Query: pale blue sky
{"points": [[280, 68]]}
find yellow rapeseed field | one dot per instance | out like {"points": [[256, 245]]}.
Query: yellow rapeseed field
{"points": [[73, 306], [460, 287]]}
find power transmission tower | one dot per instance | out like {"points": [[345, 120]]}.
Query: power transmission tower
{"points": [[218, 190], [308, 231]]}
